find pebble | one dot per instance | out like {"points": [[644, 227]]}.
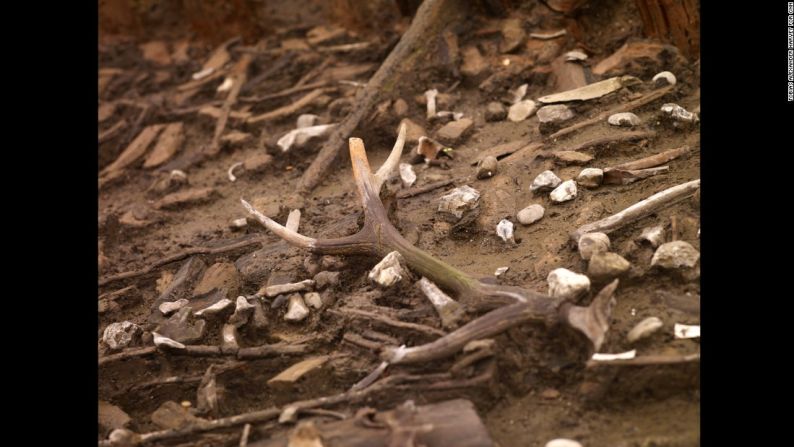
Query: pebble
{"points": [[258, 162], [504, 229], [592, 243], [389, 271], [654, 235], [279, 289], [454, 131], [182, 328], [590, 177], [674, 255], [407, 174], [120, 335], [459, 201], [664, 78], [313, 299], [530, 214], [572, 157], [565, 192], [625, 119], [607, 265], [521, 110], [242, 312], [400, 108], [554, 113], [487, 167], [562, 442], [170, 307], [215, 309], [566, 284], [229, 338], [297, 310], [644, 329], [575, 56], [545, 181], [495, 111], [413, 131], [326, 279], [679, 113], [239, 224]]}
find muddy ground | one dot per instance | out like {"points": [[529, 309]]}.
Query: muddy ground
{"points": [[539, 387]]}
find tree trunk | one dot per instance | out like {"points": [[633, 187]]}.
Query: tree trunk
{"points": [[675, 21]]}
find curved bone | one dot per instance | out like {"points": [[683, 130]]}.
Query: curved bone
{"points": [[391, 163]]}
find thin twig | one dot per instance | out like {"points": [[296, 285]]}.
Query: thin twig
{"points": [[651, 161], [288, 109], [255, 352], [282, 93], [389, 321], [415, 191], [647, 360], [114, 130], [239, 75]]}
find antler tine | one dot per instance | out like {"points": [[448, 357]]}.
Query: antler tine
{"points": [[394, 159], [285, 233]]}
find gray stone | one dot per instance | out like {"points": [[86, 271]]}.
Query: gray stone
{"points": [[566, 284], [326, 279], [458, 201], [495, 111], [530, 214], [678, 113], [565, 192], [675, 255], [625, 119], [504, 229], [389, 271], [592, 243], [182, 328], [554, 114], [120, 335], [545, 181], [521, 110], [606, 265], [590, 177], [296, 310], [454, 131], [313, 299], [487, 167]]}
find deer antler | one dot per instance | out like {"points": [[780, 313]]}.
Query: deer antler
{"points": [[378, 237]]}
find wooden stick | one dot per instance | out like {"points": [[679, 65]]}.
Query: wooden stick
{"points": [[111, 132], [415, 191], [239, 74], [288, 109], [651, 161], [647, 360], [283, 93], [388, 321]]}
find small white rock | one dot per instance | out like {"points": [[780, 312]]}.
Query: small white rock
{"points": [[545, 181], [407, 174], [530, 214], [590, 177], [625, 119], [500, 271], [564, 283], [215, 308], [389, 271], [654, 235], [686, 331], [644, 329], [521, 110], [242, 312], [170, 307], [121, 335], [229, 338], [679, 113], [664, 77], [592, 243], [554, 114], [607, 265], [565, 192], [604, 357], [504, 229], [459, 200], [562, 442], [226, 85], [313, 299], [575, 55], [239, 223], [519, 93], [161, 341], [676, 254], [306, 120], [297, 310]]}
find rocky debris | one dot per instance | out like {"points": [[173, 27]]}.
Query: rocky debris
{"points": [[643, 329], [530, 214], [663, 79], [182, 328], [168, 183], [325, 280], [215, 309], [486, 167], [459, 201], [495, 111], [575, 55], [313, 299], [407, 174], [675, 255], [473, 63], [500, 271], [171, 415], [607, 265], [259, 318], [504, 229], [590, 177], [280, 289], [170, 307], [429, 148], [111, 417], [678, 113], [187, 197], [164, 342], [454, 131], [572, 157], [513, 35], [389, 271], [300, 136], [545, 181], [521, 110], [518, 94], [449, 310], [258, 162], [566, 284], [221, 276], [563, 193], [242, 312], [636, 57], [551, 117], [168, 144], [562, 442], [590, 91], [625, 119], [298, 370], [296, 310], [653, 235], [120, 335], [686, 331], [229, 338], [238, 224], [592, 243]]}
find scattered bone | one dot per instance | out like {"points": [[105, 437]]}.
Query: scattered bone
{"points": [[428, 148], [313, 299], [675, 255], [644, 329], [459, 201], [599, 357], [521, 110], [562, 442], [679, 113], [606, 265], [170, 307], [575, 55], [168, 144], [549, 116], [625, 177], [550, 35], [625, 119], [449, 310], [565, 192], [280, 289], [487, 167], [504, 229], [229, 338], [589, 91], [590, 177], [652, 160], [500, 271], [389, 271], [226, 85], [215, 309], [207, 394], [664, 78], [407, 175], [201, 74], [298, 137], [686, 331], [187, 197], [288, 109], [495, 111], [242, 312], [447, 114], [530, 214], [572, 157], [230, 172], [654, 235], [297, 310], [519, 93], [298, 370], [431, 102], [120, 335], [236, 138], [239, 224], [162, 341], [545, 181], [592, 243], [566, 284]]}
